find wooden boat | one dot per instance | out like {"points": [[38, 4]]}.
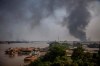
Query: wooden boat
{"points": [[30, 58]]}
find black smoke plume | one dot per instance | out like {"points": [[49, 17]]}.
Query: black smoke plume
{"points": [[78, 20]]}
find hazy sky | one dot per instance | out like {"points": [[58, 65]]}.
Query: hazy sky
{"points": [[49, 19]]}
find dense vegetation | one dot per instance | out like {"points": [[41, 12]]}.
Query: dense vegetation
{"points": [[56, 56]]}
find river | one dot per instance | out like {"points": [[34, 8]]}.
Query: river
{"points": [[6, 60]]}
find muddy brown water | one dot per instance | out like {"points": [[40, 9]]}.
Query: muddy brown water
{"points": [[6, 60]]}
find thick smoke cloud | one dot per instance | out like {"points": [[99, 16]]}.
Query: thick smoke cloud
{"points": [[44, 19], [78, 20]]}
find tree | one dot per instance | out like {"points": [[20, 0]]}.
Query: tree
{"points": [[87, 57], [39, 62], [55, 51], [74, 64], [56, 56], [77, 53]]}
